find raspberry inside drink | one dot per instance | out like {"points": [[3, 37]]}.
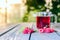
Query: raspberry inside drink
{"points": [[43, 21]]}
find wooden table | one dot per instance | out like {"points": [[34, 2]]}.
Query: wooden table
{"points": [[16, 35]]}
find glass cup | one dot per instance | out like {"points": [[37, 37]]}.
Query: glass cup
{"points": [[43, 20]]}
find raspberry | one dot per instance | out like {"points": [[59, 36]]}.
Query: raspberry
{"points": [[41, 30]]}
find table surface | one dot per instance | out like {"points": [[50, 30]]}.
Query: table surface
{"points": [[16, 35], [45, 36]]}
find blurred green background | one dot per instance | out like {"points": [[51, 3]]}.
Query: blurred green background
{"points": [[34, 6]]}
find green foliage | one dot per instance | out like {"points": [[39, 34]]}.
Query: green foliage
{"points": [[55, 9], [39, 5], [25, 18], [36, 4], [58, 18]]}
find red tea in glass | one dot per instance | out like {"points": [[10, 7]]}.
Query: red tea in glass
{"points": [[43, 21]]}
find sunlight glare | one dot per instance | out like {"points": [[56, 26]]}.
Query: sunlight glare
{"points": [[7, 5]]}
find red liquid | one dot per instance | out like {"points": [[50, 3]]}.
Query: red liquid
{"points": [[43, 21]]}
